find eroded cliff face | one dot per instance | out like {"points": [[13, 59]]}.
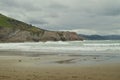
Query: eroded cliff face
{"points": [[57, 36], [12, 30], [17, 35]]}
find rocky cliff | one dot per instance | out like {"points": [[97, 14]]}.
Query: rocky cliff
{"points": [[12, 30]]}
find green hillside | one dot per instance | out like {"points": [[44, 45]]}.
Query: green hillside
{"points": [[12, 23]]}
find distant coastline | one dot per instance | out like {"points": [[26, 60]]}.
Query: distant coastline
{"points": [[100, 37]]}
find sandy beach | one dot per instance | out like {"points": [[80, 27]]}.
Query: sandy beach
{"points": [[56, 67]]}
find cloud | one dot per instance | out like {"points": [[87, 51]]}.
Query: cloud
{"points": [[42, 22], [108, 8], [57, 6], [82, 16], [83, 31], [94, 32]]}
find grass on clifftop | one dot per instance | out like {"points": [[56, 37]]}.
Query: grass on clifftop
{"points": [[4, 21], [12, 23]]}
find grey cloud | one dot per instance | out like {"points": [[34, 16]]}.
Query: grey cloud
{"points": [[114, 11], [51, 15], [107, 8], [97, 15], [113, 8], [41, 22], [57, 6], [19, 4]]}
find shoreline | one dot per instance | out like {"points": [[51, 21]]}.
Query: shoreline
{"points": [[59, 67]]}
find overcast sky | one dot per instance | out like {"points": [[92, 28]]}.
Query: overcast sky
{"points": [[81, 16]]}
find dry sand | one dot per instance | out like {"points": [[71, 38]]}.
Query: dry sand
{"points": [[42, 68]]}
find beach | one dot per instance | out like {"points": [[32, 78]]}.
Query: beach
{"points": [[57, 67]]}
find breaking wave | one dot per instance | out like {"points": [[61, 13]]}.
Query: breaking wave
{"points": [[68, 46]]}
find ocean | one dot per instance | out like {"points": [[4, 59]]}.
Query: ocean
{"points": [[65, 47], [83, 52]]}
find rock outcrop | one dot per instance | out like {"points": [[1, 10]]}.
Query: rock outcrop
{"points": [[56, 36], [12, 30]]}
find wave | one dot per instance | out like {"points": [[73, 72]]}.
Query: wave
{"points": [[59, 46], [57, 42]]}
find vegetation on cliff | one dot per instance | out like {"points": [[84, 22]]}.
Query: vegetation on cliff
{"points": [[12, 30], [12, 23]]}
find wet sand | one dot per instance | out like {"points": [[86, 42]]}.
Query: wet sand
{"points": [[58, 67]]}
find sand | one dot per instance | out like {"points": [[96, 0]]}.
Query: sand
{"points": [[54, 67]]}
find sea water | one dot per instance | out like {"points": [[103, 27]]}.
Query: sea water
{"points": [[83, 52], [65, 47]]}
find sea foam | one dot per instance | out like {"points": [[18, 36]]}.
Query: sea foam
{"points": [[68, 46]]}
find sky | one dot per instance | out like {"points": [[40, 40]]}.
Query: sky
{"points": [[81, 16]]}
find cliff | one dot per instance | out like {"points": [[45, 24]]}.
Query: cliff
{"points": [[12, 30]]}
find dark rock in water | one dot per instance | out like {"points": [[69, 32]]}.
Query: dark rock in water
{"points": [[94, 58], [19, 60], [12, 30], [66, 61]]}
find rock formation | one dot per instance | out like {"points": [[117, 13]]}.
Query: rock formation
{"points": [[12, 30]]}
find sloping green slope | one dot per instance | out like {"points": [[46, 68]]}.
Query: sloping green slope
{"points": [[12, 23]]}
